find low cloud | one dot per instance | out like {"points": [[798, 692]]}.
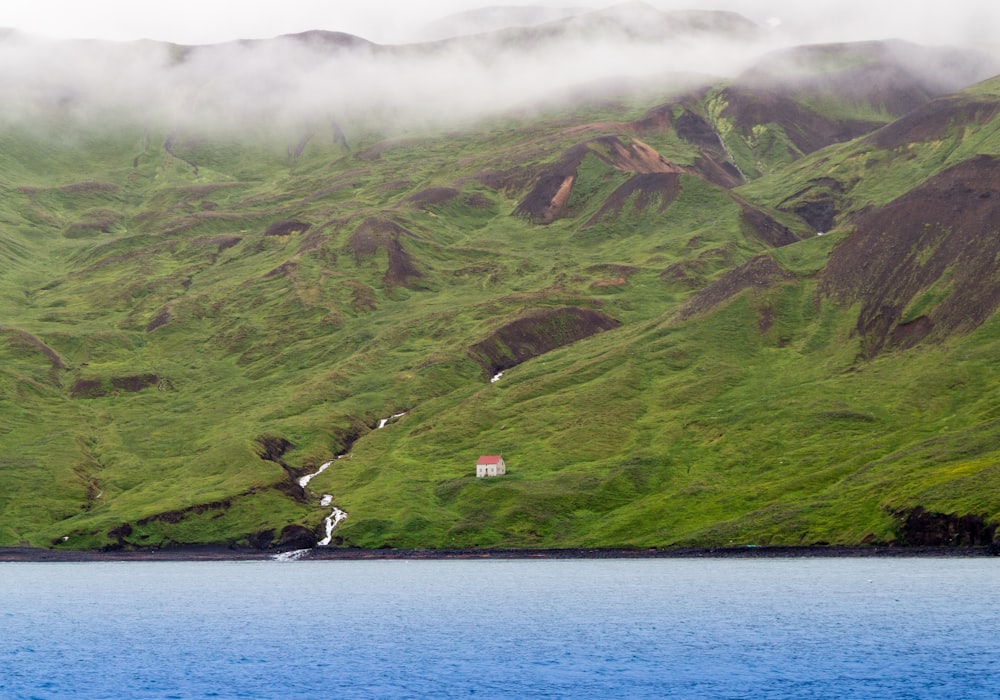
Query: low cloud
{"points": [[320, 76]]}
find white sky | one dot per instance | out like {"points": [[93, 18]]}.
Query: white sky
{"points": [[388, 21]]}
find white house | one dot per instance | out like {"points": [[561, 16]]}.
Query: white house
{"points": [[490, 465]]}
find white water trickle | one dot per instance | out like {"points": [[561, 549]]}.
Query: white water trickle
{"points": [[496, 377], [294, 555], [382, 423], [332, 520], [309, 477], [326, 500]]}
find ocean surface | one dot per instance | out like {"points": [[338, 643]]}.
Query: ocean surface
{"points": [[656, 628]]}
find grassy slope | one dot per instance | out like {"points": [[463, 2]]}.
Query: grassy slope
{"points": [[751, 423]]}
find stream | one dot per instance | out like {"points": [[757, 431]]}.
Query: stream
{"points": [[326, 500]]}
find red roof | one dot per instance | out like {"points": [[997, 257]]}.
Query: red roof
{"points": [[489, 459]]}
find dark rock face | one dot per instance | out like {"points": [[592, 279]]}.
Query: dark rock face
{"points": [[297, 537], [819, 214], [261, 540], [120, 534], [922, 528], [696, 130]]}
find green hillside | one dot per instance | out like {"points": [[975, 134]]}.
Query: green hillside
{"points": [[192, 321]]}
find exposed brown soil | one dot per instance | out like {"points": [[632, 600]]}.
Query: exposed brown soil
{"points": [[434, 195], [162, 318], [509, 180], [765, 228], [681, 275], [692, 273], [547, 200], [478, 201], [934, 121], [807, 129], [91, 187], [625, 271], [377, 232], [136, 382], [29, 341], [97, 388], [286, 228], [172, 517], [285, 269], [646, 188], [712, 162], [100, 221], [536, 333], [273, 448], [221, 242], [718, 171], [941, 239], [759, 273]]}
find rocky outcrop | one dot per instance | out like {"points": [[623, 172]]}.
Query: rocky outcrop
{"points": [[919, 527], [296, 537]]}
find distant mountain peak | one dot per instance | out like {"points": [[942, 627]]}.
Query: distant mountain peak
{"points": [[494, 18]]}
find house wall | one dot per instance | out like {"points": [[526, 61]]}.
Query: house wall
{"points": [[484, 470]]}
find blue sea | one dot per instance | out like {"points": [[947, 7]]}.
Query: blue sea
{"points": [[649, 628]]}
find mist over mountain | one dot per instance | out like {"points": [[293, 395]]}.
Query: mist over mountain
{"points": [[490, 19], [696, 282], [317, 76]]}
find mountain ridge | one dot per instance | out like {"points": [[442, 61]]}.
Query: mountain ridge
{"points": [[205, 319]]}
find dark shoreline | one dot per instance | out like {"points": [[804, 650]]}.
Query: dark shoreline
{"points": [[223, 553]]}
